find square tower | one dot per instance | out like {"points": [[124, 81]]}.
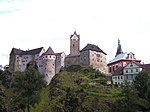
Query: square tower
{"points": [[74, 44]]}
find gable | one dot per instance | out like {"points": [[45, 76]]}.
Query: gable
{"points": [[74, 37], [132, 65]]}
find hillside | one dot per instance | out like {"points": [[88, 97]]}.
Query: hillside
{"points": [[75, 89], [78, 89]]}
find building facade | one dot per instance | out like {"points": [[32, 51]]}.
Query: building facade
{"points": [[121, 59], [131, 71], [50, 63], [127, 73], [90, 55]]}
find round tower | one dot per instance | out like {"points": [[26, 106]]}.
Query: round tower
{"points": [[49, 58]]}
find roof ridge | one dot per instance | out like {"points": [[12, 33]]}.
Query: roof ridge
{"points": [[92, 47]]}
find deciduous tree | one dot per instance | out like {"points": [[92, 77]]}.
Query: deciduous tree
{"points": [[29, 83]]}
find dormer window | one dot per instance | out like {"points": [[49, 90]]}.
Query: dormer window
{"points": [[131, 65]]}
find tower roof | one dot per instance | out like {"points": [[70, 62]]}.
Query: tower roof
{"points": [[119, 49], [75, 35], [93, 48], [49, 51]]}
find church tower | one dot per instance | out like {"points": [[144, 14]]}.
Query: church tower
{"points": [[74, 44], [119, 49]]}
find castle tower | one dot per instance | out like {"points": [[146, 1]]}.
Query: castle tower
{"points": [[74, 44], [119, 49], [49, 64]]}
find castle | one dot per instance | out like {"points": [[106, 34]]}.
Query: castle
{"points": [[50, 63]]}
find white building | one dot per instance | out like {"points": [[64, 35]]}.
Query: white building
{"points": [[127, 73]]}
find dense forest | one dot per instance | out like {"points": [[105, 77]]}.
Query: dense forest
{"points": [[74, 89]]}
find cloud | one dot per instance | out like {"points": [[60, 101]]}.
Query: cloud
{"points": [[11, 6]]}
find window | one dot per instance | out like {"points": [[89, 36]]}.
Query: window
{"points": [[131, 65], [121, 77], [126, 71], [137, 70], [73, 45], [131, 70], [116, 66], [118, 77], [113, 68], [109, 69], [40, 65], [98, 55]]}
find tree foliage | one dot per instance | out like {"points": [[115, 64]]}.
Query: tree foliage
{"points": [[142, 84], [75, 89], [129, 100], [28, 84]]}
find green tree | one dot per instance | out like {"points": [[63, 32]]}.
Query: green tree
{"points": [[6, 92], [71, 100], [29, 83], [6, 77], [129, 100], [142, 84]]}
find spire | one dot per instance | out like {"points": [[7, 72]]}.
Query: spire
{"points": [[119, 49], [75, 33]]}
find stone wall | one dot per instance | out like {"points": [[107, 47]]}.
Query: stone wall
{"points": [[84, 59], [60, 61], [98, 61], [72, 60]]}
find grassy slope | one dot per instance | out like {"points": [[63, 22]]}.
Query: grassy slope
{"points": [[80, 90]]}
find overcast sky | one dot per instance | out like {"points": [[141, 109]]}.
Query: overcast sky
{"points": [[29, 24]]}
